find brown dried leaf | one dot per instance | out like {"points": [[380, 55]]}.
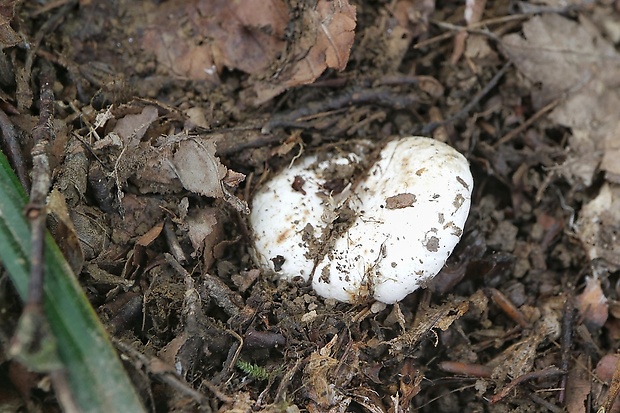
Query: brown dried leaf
{"points": [[8, 36], [197, 167], [573, 58], [327, 35], [440, 317], [205, 230], [245, 35], [155, 173], [325, 376], [181, 162], [336, 24], [612, 395], [151, 235], [64, 231], [552, 53], [592, 303], [140, 214], [168, 354], [92, 230], [599, 223], [242, 403], [606, 367], [611, 154], [131, 128], [517, 359], [577, 386], [474, 9], [200, 171]]}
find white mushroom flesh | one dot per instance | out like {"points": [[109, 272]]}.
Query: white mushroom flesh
{"points": [[383, 238]]}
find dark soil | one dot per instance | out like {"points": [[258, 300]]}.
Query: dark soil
{"points": [[165, 127]]}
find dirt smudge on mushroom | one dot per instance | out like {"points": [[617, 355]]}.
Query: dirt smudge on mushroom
{"points": [[400, 201]]}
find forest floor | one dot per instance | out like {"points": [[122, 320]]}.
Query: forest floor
{"points": [[170, 114]]}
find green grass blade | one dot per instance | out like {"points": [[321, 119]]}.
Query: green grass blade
{"points": [[95, 374]]}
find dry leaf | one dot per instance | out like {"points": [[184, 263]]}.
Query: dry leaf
{"points": [[393, 33], [577, 386], [440, 317], [168, 353], [592, 303], [64, 231], [473, 13], [325, 41], [599, 223], [574, 62], [245, 35], [325, 376], [606, 367], [199, 170], [516, 360], [131, 128], [181, 162], [248, 36], [8, 36], [205, 230], [151, 235]]}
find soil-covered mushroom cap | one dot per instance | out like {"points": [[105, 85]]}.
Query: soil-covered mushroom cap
{"points": [[383, 238]]}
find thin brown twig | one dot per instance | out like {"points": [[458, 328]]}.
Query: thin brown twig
{"points": [[455, 29], [41, 181], [33, 342], [23, 93], [381, 96], [492, 21], [508, 307], [430, 127], [540, 374], [568, 322], [549, 406], [161, 372], [519, 129], [14, 152], [52, 5]]}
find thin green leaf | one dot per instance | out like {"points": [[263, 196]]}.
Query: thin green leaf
{"points": [[95, 374]]}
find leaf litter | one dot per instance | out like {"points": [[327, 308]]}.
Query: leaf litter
{"points": [[171, 114]]}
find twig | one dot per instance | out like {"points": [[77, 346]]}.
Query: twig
{"points": [[516, 131], [41, 181], [173, 243], [162, 372], [62, 390], [526, 13], [429, 128], [23, 93], [466, 369], [381, 96], [14, 152], [541, 374], [507, 307], [455, 29], [544, 403], [231, 359], [568, 321], [33, 342]]}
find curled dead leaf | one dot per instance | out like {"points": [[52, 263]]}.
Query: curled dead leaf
{"points": [[324, 39], [592, 303]]}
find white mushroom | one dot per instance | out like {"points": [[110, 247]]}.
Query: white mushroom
{"points": [[383, 238]]}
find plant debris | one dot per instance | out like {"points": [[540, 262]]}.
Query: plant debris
{"points": [[169, 116]]}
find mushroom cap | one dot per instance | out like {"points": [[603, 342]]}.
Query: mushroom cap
{"points": [[384, 238]]}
